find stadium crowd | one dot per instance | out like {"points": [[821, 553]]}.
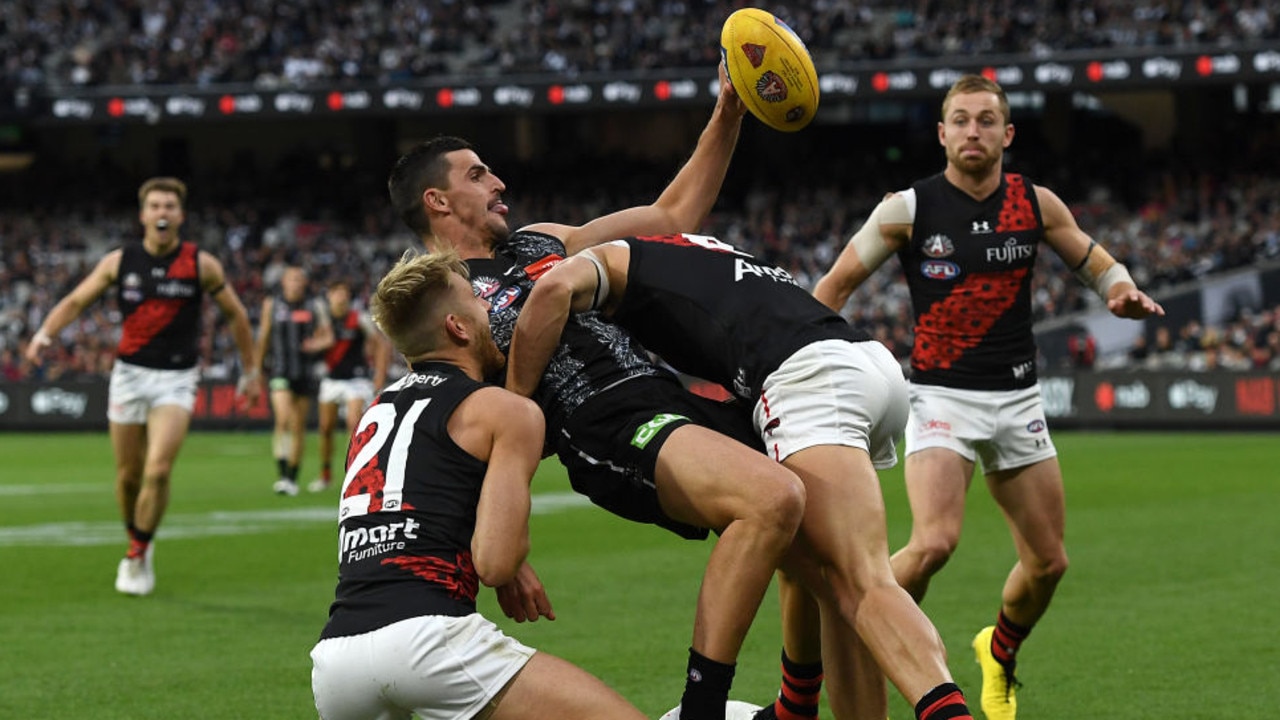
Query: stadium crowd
{"points": [[66, 43], [1189, 227]]}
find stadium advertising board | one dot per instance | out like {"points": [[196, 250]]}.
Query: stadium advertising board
{"points": [[82, 405], [1165, 399], [1093, 71]]}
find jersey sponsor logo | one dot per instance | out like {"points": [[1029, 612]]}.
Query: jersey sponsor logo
{"points": [[648, 431], [504, 299], [981, 227], [742, 268], [1010, 252], [940, 270], [175, 289], [360, 543], [1035, 426], [938, 246], [300, 316], [1021, 370]]}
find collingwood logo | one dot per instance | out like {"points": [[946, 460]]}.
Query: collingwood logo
{"points": [[1010, 252], [981, 227]]}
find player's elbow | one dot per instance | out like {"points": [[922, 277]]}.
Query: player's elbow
{"points": [[496, 563]]}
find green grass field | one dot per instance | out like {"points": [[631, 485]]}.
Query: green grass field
{"points": [[1169, 609]]}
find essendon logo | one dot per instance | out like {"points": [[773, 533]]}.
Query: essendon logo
{"points": [[771, 88], [754, 53]]}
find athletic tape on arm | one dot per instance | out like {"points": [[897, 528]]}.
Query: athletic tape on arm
{"points": [[602, 280], [1101, 272], [868, 242]]}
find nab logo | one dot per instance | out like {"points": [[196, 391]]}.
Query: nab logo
{"points": [[981, 227], [940, 270]]}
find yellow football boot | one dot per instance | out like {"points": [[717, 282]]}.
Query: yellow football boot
{"points": [[998, 699]]}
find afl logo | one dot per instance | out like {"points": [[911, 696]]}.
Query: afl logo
{"points": [[938, 246], [940, 270], [1035, 426], [504, 299]]}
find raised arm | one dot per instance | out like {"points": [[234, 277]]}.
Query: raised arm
{"points": [[510, 428], [572, 286], [1092, 264], [213, 280], [886, 231], [686, 201], [70, 307]]}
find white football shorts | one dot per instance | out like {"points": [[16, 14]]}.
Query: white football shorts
{"points": [[1004, 428], [439, 667], [834, 392], [343, 391], [134, 390]]}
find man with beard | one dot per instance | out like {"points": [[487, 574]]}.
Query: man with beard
{"points": [[631, 437], [967, 240], [434, 503]]}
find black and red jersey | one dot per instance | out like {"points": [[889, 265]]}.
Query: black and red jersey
{"points": [[159, 299], [346, 359], [408, 508], [716, 312], [969, 267]]}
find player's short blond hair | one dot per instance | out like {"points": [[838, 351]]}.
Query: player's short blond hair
{"points": [[968, 84], [163, 184], [412, 299]]}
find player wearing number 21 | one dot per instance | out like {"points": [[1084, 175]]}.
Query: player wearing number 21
{"points": [[435, 502]]}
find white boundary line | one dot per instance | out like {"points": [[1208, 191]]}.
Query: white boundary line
{"points": [[211, 524]]}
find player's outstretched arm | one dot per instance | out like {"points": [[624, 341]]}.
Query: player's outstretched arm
{"points": [[512, 428], [885, 231], [575, 285], [214, 281], [1092, 264], [70, 307], [689, 197]]}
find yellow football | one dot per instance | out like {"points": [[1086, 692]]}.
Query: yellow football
{"points": [[770, 69]]}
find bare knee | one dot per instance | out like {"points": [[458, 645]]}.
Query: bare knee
{"points": [[780, 503], [1048, 571], [933, 550]]}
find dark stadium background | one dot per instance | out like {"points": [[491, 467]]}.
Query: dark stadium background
{"points": [[1160, 133]]}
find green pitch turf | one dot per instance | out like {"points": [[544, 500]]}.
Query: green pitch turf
{"points": [[1169, 609]]}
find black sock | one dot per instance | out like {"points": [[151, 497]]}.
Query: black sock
{"points": [[1006, 640], [282, 467], [706, 688], [944, 702], [291, 472], [801, 689]]}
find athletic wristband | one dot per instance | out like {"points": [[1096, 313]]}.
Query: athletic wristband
{"points": [[42, 339]]}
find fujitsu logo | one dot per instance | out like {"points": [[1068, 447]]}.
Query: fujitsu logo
{"points": [[1009, 252]]}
